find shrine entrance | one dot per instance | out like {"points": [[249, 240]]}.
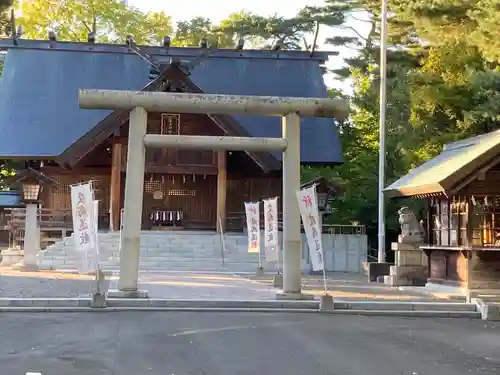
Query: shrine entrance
{"points": [[141, 102]]}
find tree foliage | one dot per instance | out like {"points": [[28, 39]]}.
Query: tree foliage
{"points": [[111, 20], [443, 85]]}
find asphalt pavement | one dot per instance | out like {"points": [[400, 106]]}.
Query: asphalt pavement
{"points": [[209, 343]]}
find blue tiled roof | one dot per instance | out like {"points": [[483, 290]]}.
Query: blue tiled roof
{"points": [[10, 198], [39, 114], [299, 78]]}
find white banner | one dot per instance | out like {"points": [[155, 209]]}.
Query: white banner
{"points": [[271, 240], [253, 226], [310, 218], [84, 225]]}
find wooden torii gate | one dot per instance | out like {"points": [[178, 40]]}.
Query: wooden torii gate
{"points": [[139, 103]]}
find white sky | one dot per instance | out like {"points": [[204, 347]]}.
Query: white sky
{"points": [[219, 9]]}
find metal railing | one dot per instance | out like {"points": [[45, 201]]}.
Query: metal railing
{"points": [[236, 222], [343, 229], [222, 241]]}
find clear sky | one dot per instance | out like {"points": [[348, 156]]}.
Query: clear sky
{"points": [[218, 9]]}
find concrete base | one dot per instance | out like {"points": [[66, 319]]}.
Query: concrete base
{"points": [[326, 302], [447, 289], [25, 267], [407, 276], [278, 281], [377, 269], [98, 301], [11, 257], [260, 271], [294, 296], [488, 311], [101, 288], [114, 293]]}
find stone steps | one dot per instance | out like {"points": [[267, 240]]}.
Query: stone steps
{"points": [[161, 251]]}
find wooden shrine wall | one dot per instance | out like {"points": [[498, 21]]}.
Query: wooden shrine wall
{"points": [[448, 266], [59, 196], [194, 195], [158, 160], [244, 190]]}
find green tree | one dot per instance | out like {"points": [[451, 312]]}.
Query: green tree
{"points": [[5, 24], [443, 85], [111, 20], [266, 32], [190, 33]]}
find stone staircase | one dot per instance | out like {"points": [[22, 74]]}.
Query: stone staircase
{"points": [[161, 252]]}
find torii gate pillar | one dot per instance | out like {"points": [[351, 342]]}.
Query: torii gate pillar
{"points": [[292, 282]]}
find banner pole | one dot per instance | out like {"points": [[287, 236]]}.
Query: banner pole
{"points": [[277, 250], [324, 271]]}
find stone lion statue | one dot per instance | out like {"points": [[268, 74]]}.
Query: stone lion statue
{"points": [[412, 231]]}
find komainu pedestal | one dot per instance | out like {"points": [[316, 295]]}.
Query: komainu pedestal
{"points": [[411, 263]]}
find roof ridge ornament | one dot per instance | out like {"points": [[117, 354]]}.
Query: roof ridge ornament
{"points": [[130, 42]]}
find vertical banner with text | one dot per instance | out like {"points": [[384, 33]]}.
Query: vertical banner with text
{"points": [[84, 226], [253, 226], [271, 240], [310, 218]]}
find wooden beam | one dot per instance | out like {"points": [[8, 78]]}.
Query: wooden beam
{"points": [[115, 188], [221, 190]]}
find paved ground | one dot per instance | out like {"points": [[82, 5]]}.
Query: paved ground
{"points": [[356, 286], [244, 344], [168, 285], [188, 285]]}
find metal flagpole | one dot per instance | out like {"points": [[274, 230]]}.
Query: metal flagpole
{"points": [[381, 158]]}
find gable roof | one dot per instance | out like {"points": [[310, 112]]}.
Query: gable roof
{"points": [[448, 170], [40, 118]]}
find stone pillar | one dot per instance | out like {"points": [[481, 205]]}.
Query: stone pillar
{"points": [[411, 265], [31, 239], [292, 282], [132, 216]]}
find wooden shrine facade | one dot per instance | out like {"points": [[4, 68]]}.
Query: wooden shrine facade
{"points": [[461, 187], [180, 186]]}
